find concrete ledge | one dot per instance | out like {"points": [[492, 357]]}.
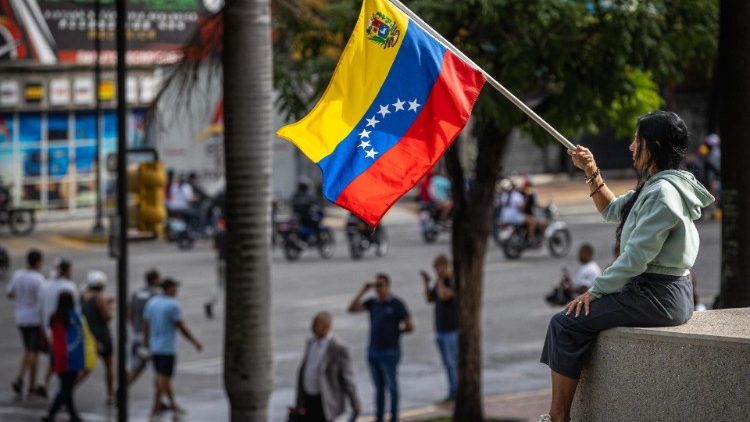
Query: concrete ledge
{"points": [[699, 371]]}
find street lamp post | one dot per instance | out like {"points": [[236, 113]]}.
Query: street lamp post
{"points": [[98, 227], [122, 212]]}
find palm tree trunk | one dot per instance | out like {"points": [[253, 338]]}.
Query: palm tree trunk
{"points": [[248, 357], [734, 65]]}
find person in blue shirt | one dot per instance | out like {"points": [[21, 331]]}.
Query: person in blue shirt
{"points": [[161, 320], [389, 318]]}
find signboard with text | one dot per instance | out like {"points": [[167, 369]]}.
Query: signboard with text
{"points": [[63, 31]]}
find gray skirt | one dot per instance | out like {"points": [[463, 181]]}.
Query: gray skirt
{"points": [[649, 300]]}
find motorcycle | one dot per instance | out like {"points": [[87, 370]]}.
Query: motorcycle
{"points": [[21, 221], [361, 238], [176, 229], [431, 222], [297, 237], [515, 239]]}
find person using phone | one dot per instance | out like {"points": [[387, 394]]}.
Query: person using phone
{"points": [[389, 319], [442, 293]]}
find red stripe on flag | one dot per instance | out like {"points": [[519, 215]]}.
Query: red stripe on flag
{"points": [[444, 115]]}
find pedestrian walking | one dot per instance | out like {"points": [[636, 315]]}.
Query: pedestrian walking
{"points": [[325, 379], [443, 295], [138, 352], [389, 318], [161, 320], [97, 308], [24, 288], [649, 283], [73, 351], [49, 296]]}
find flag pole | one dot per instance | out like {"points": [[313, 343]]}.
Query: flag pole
{"points": [[494, 83]]}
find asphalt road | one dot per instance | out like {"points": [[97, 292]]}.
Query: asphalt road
{"points": [[514, 322]]}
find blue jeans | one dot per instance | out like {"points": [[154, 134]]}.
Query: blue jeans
{"points": [[384, 371], [447, 342]]}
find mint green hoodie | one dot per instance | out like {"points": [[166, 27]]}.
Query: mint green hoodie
{"points": [[659, 235]]}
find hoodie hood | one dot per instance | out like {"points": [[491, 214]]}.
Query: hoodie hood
{"points": [[693, 193]]}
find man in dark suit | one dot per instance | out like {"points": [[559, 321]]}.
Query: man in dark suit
{"points": [[326, 377]]}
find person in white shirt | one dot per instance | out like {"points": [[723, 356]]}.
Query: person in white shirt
{"points": [[581, 281], [511, 204], [326, 378], [50, 294], [24, 288]]}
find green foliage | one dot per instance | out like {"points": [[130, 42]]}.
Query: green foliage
{"points": [[580, 64]]}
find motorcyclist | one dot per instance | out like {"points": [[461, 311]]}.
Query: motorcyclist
{"points": [[440, 195], [305, 207], [511, 204], [529, 207]]}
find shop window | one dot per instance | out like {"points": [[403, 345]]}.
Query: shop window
{"points": [[31, 192], [32, 162], [85, 131], [85, 159], [57, 127], [85, 193], [110, 124], [6, 129], [30, 127], [58, 195], [57, 165]]}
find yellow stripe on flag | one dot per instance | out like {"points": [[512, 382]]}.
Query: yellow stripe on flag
{"points": [[89, 346], [361, 71]]}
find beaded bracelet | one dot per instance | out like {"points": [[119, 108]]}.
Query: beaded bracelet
{"points": [[596, 190], [593, 176]]}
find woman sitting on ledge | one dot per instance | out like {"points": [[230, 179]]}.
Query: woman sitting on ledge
{"points": [[649, 283]]}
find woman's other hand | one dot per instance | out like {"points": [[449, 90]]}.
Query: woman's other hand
{"points": [[581, 303], [583, 159]]}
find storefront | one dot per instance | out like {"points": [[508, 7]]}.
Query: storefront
{"points": [[48, 134]]}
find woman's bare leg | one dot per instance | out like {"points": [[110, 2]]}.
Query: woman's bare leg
{"points": [[563, 391]]}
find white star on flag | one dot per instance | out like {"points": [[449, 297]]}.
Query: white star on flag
{"points": [[372, 122], [384, 110], [399, 105], [364, 134], [364, 144], [413, 105], [371, 153]]}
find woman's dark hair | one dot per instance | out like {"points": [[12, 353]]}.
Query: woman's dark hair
{"points": [[64, 304], [664, 137]]}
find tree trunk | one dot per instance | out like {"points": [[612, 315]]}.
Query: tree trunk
{"points": [[734, 56], [248, 357], [472, 222]]}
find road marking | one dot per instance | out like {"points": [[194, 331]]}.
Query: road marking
{"points": [[213, 366]]}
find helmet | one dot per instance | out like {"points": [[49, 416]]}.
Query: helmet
{"points": [[96, 278]]}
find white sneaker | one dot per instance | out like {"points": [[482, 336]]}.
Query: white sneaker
{"points": [[545, 418]]}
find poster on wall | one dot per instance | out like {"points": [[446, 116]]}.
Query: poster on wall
{"points": [[62, 30], [59, 92], [33, 92], [83, 91], [9, 94]]}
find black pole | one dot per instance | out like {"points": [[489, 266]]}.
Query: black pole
{"points": [[122, 212], [98, 228]]}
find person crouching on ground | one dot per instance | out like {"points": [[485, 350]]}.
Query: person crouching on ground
{"points": [[649, 283], [326, 379], [582, 280]]}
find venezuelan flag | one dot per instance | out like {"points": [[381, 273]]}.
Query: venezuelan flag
{"points": [[398, 98], [73, 347]]}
